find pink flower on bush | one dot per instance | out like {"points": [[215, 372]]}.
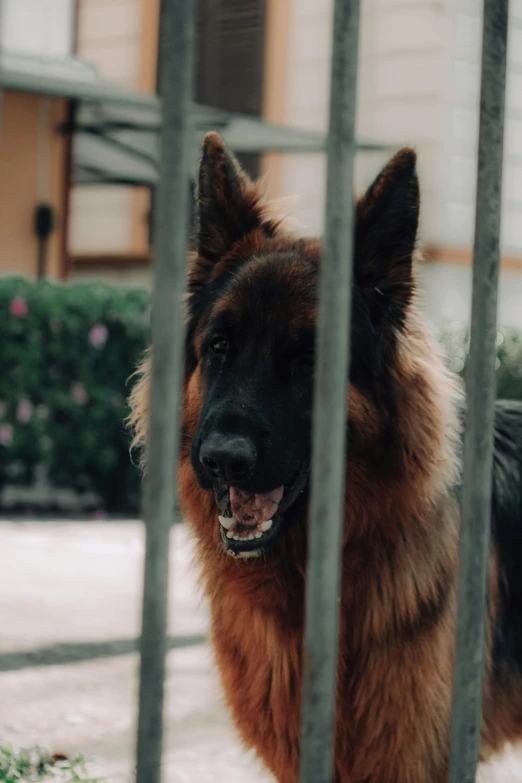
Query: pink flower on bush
{"points": [[98, 335], [19, 307], [79, 394], [24, 411], [6, 434]]}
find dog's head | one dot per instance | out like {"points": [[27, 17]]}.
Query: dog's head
{"points": [[250, 346], [250, 355]]}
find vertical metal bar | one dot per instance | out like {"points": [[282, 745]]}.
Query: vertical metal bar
{"points": [[330, 409], [177, 32], [65, 255], [478, 447]]}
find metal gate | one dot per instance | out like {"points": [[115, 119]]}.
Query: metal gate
{"points": [[177, 53]]}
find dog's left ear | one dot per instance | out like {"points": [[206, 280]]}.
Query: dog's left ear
{"points": [[229, 204], [387, 219]]}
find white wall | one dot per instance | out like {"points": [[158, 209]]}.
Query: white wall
{"points": [[37, 27], [307, 87], [418, 84], [448, 286], [399, 92], [462, 130], [446, 293]]}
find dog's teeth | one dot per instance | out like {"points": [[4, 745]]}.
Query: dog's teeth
{"points": [[230, 535], [266, 525], [227, 522], [251, 537], [259, 535], [249, 554], [236, 538]]}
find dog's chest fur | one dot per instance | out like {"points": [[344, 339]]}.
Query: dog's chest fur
{"points": [[383, 685]]}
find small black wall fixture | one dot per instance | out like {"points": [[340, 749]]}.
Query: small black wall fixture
{"points": [[44, 225]]}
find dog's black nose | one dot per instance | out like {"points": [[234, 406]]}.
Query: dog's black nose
{"points": [[228, 457]]}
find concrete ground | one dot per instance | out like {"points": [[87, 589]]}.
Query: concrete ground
{"points": [[69, 618]]}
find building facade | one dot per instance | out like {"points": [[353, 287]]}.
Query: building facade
{"points": [[109, 229], [418, 84], [34, 154]]}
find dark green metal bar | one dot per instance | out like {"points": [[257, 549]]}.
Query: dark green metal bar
{"points": [[177, 32], [330, 409], [478, 447]]}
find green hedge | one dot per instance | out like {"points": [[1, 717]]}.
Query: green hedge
{"points": [[454, 338], [30, 765], [66, 353]]}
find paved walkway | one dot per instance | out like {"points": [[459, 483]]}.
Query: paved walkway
{"points": [[69, 614]]}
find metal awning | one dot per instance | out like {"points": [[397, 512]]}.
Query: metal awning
{"points": [[120, 144], [117, 143], [116, 130], [68, 77]]}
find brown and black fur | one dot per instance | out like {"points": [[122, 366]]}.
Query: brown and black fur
{"points": [[402, 484]]}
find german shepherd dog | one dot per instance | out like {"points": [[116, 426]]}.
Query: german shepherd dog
{"points": [[244, 479]]}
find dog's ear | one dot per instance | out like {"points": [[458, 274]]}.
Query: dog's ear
{"points": [[387, 218], [228, 203]]}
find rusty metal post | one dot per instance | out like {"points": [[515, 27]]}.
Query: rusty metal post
{"points": [[177, 32], [478, 447], [330, 409]]}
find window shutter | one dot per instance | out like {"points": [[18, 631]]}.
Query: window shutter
{"points": [[231, 40]]}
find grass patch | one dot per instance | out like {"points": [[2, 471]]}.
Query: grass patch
{"points": [[29, 765]]}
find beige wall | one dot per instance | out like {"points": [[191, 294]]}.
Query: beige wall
{"points": [[32, 167], [109, 37], [119, 37], [274, 87], [150, 11]]}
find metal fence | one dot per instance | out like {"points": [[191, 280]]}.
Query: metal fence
{"points": [[329, 443]]}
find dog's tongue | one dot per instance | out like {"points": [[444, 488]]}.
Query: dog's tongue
{"points": [[254, 509]]}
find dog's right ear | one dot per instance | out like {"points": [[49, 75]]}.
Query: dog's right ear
{"points": [[228, 203], [385, 236]]}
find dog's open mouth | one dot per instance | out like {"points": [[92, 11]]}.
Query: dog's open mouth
{"points": [[250, 522]]}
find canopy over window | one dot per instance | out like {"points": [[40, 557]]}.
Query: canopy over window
{"points": [[116, 130]]}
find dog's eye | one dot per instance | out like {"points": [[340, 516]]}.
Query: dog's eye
{"points": [[218, 345]]}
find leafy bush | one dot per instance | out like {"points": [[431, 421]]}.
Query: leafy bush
{"points": [[66, 353], [454, 338], [28, 765]]}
